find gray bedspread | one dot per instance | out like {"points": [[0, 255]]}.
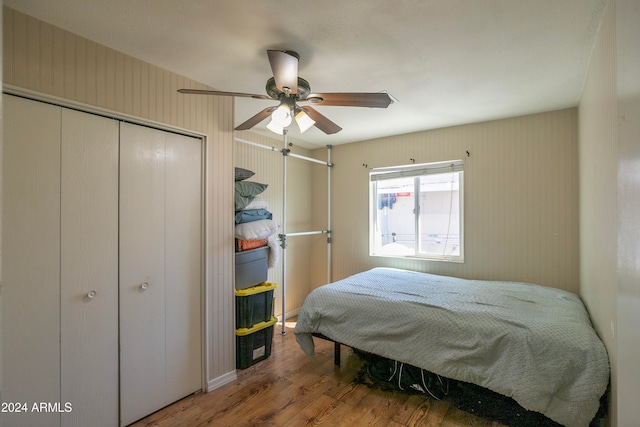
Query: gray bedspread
{"points": [[532, 343]]}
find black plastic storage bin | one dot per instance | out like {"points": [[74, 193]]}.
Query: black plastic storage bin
{"points": [[252, 267], [254, 305], [254, 344]]}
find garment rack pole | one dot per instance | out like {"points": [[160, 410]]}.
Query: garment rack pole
{"points": [[283, 237], [255, 144], [310, 159], [308, 233], [289, 153], [330, 165]]}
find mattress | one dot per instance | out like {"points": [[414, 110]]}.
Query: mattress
{"points": [[532, 343]]}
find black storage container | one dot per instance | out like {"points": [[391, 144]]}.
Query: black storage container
{"points": [[252, 267], [254, 305], [254, 344]]}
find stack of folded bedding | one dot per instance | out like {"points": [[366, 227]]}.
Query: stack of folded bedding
{"points": [[247, 245], [254, 227]]}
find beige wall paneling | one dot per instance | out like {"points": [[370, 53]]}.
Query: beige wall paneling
{"points": [[598, 175], [609, 114], [1, 174], [521, 218], [31, 259], [299, 220], [51, 61], [89, 269], [268, 166], [628, 290], [319, 219], [598, 198]]}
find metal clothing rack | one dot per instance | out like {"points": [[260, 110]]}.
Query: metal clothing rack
{"points": [[286, 153]]}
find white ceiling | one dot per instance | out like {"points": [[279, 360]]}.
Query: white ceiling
{"points": [[448, 62]]}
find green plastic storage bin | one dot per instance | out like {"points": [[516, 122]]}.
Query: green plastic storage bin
{"points": [[254, 305], [254, 344]]}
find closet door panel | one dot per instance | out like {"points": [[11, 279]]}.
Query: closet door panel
{"points": [[31, 259], [89, 269], [183, 267], [142, 261]]}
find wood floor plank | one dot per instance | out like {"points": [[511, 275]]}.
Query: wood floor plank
{"points": [[319, 410], [291, 389], [456, 417]]}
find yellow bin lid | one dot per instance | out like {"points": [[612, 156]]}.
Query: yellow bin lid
{"points": [[241, 332], [262, 287]]}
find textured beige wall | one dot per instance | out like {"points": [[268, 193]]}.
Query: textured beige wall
{"points": [[609, 118], [521, 198], [598, 195], [49, 60], [628, 295]]}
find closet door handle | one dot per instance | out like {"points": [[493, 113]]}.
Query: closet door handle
{"points": [[144, 286], [91, 295]]}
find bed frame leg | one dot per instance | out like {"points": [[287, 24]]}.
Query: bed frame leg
{"points": [[336, 353]]}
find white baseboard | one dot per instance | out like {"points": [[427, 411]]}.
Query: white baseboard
{"points": [[221, 380], [289, 314]]}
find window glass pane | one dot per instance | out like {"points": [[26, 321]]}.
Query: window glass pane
{"points": [[395, 220], [417, 211], [439, 219]]}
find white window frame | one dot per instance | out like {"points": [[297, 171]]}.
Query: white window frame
{"points": [[417, 171]]}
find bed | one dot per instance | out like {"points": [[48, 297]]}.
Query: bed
{"points": [[532, 343]]}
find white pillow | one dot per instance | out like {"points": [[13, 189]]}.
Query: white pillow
{"points": [[256, 230], [257, 203]]}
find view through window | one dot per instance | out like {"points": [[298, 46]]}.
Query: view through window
{"points": [[416, 211]]}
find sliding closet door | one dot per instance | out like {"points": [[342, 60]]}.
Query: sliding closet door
{"points": [[89, 269], [160, 269], [31, 259], [142, 263], [184, 265]]}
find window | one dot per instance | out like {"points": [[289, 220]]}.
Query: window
{"points": [[417, 211]]}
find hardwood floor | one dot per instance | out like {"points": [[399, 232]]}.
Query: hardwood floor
{"points": [[291, 389]]}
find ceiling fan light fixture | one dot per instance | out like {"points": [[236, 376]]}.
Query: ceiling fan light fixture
{"points": [[282, 116], [304, 121], [275, 127]]}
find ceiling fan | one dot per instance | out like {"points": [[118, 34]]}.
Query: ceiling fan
{"points": [[289, 89]]}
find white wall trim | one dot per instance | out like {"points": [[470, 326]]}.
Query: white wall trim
{"points": [[88, 108], [222, 380]]}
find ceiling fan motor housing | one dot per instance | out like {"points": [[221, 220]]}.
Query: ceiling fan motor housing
{"points": [[304, 89]]}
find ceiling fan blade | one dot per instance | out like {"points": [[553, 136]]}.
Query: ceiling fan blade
{"points": [[256, 119], [218, 92], [372, 100], [322, 123], [284, 65]]}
